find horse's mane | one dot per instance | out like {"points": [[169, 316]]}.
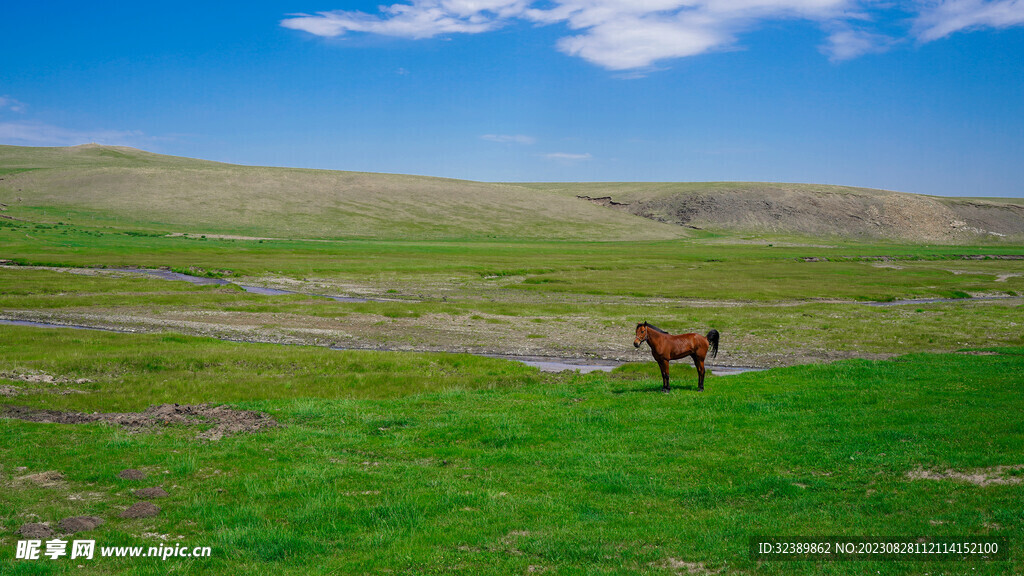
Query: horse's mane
{"points": [[653, 327]]}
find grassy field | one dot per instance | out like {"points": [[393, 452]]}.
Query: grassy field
{"points": [[410, 453], [776, 301], [438, 463]]}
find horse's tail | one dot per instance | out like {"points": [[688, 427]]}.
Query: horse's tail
{"points": [[713, 341]]}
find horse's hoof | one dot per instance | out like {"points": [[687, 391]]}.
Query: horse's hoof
{"points": [[700, 389]]}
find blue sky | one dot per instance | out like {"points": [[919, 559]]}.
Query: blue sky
{"points": [[917, 96]]}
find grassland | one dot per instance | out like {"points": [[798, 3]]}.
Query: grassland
{"points": [[777, 301], [97, 185], [456, 464], [424, 461]]}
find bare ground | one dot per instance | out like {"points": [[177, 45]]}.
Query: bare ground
{"points": [[225, 420], [995, 475], [814, 210]]}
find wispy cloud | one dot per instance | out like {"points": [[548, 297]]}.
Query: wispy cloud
{"points": [[941, 19], [40, 134], [847, 43], [421, 19], [567, 157], [6, 102], [509, 138], [632, 35]]}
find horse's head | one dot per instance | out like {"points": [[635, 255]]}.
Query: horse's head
{"points": [[641, 334]]}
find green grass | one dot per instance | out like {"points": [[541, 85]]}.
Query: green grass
{"points": [[778, 331], [696, 268], [572, 474]]}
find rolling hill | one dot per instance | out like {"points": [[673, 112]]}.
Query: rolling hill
{"points": [[809, 210], [103, 185]]}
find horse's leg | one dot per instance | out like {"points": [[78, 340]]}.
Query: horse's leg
{"points": [[699, 363], [663, 364]]}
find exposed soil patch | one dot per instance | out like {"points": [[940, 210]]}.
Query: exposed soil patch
{"points": [[151, 493], [141, 510], [44, 479], [604, 201], [225, 420], [8, 391], [684, 567], [812, 210], [999, 475], [35, 377], [42, 378], [35, 531], [80, 524], [132, 474]]}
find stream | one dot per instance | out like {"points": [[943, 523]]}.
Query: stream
{"points": [[204, 281], [543, 363]]}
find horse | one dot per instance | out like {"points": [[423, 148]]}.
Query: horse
{"points": [[665, 347]]}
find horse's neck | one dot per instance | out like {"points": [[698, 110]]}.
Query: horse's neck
{"points": [[655, 335]]}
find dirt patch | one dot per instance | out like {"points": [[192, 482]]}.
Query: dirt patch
{"points": [[141, 510], [998, 475], [225, 420], [605, 201], [80, 524], [35, 531], [132, 474], [44, 479], [36, 377], [10, 391], [817, 211], [689, 567], [150, 493], [42, 378]]}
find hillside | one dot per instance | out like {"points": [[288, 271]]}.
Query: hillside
{"points": [[103, 184], [809, 210]]}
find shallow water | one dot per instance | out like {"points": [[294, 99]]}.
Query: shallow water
{"points": [[544, 363], [586, 365], [556, 364], [203, 281], [935, 300], [48, 325]]}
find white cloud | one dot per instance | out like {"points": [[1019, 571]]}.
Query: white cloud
{"points": [[629, 43], [39, 134], [847, 43], [421, 19], [565, 156], [509, 138], [941, 19], [11, 104], [631, 35]]}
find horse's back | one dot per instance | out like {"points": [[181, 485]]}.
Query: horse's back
{"points": [[689, 344]]}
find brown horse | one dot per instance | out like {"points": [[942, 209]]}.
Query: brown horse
{"points": [[665, 347]]}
